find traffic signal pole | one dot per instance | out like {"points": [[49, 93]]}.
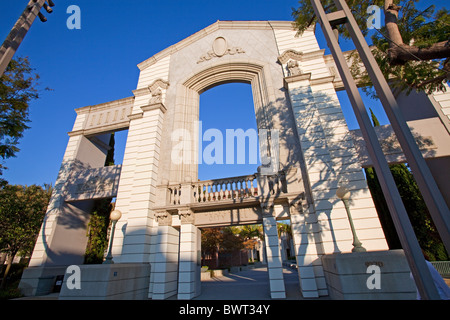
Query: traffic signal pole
{"points": [[20, 29]]}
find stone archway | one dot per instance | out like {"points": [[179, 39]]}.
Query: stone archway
{"points": [[187, 101], [293, 92]]}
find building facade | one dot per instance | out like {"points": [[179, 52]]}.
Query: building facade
{"points": [[310, 152]]}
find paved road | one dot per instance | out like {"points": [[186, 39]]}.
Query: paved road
{"points": [[251, 284]]}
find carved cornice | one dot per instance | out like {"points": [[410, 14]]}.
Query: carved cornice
{"points": [[158, 83], [307, 76], [154, 106], [300, 77], [290, 54], [136, 116], [106, 106], [299, 56]]}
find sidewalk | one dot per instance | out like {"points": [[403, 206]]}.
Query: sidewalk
{"points": [[252, 284]]}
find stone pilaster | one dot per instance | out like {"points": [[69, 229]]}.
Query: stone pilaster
{"points": [[163, 278], [274, 263], [189, 266], [310, 272]]}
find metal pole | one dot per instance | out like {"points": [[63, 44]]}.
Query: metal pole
{"points": [[403, 226], [434, 200], [18, 33], [357, 245], [109, 257]]}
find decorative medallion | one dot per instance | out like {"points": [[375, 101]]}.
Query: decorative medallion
{"points": [[220, 48]]}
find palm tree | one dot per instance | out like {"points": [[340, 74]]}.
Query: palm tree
{"points": [[286, 230], [249, 233]]}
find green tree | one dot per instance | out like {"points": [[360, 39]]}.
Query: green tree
{"points": [[231, 239], [412, 48], [250, 234], [18, 86], [420, 218], [22, 210]]}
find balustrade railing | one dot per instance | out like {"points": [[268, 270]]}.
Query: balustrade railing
{"points": [[174, 194], [233, 188], [226, 189]]}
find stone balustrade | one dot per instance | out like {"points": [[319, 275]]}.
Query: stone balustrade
{"points": [[223, 189], [220, 190]]}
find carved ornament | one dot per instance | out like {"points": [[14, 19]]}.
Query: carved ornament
{"points": [[163, 218], [290, 54], [156, 90], [186, 216], [220, 48]]}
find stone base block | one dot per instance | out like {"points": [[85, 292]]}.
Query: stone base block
{"points": [[127, 281], [349, 277], [40, 281]]}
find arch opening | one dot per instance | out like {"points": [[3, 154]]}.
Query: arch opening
{"points": [[220, 75], [228, 135]]}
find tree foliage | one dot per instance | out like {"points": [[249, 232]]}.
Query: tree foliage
{"points": [[424, 228], [222, 239], [412, 47], [18, 86], [22, 210]]}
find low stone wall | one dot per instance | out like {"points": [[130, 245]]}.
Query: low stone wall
{"points": [[109, 282], [39, 281], [348, 276], [208, 274]]}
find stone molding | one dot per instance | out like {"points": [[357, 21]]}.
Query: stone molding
{"points": [[300, 77], [154, 106], [290, 54], [105, 106], [307, 76], [249, 25], [103, 129], [299, 56], [136, 116]]}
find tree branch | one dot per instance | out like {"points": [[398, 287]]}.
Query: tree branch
{"points": [[400, 54]]}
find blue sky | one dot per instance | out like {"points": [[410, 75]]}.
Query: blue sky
{"points": [[99, 63]]}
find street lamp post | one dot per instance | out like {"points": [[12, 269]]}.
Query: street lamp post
{"points": [[114, 216], [344, 194], [20, 29]]}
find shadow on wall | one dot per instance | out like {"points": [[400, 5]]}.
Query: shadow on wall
{"points": [[68, 221]]}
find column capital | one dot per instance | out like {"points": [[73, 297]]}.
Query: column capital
{"points": [[163, 218], [267, 208], [187, 216], [297, 205]]}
